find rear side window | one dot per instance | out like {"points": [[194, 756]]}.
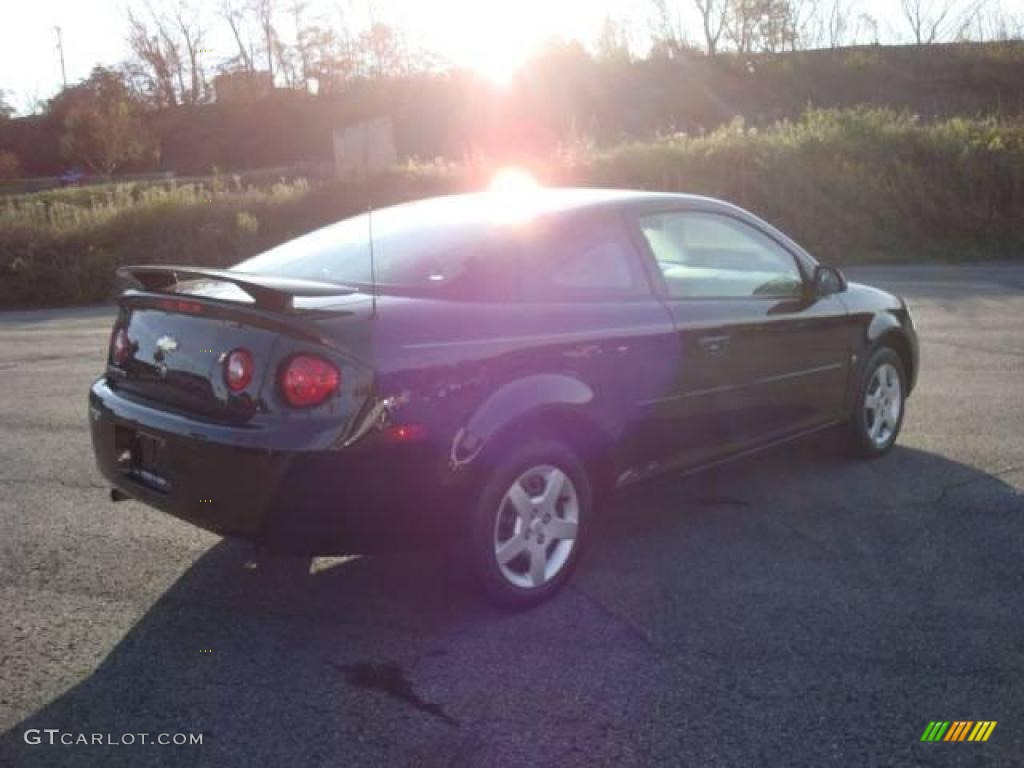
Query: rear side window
{"points": [[587, 260], [425, 249], [707, 255]]}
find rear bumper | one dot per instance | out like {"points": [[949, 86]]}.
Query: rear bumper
{"points": [[310, 501]]}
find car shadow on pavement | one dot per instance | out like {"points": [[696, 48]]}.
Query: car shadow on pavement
{"points": [[667, 631]]}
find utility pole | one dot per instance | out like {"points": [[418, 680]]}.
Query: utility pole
{"points": [[60, 47]]}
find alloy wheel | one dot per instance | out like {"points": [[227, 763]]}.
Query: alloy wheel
{"points": [[535, 527], [883, 403]]}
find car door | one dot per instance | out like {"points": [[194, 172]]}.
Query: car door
{"points": [[759, 356], [586, 281]]}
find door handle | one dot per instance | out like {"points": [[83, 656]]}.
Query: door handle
{"points": [[713, 345]]}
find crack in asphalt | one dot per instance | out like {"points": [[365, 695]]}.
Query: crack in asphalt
{"points": [[630, 627], [803, 535], [949, 488], [939, 499]]}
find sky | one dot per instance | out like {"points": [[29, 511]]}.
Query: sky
{"points": [[484, 34]]}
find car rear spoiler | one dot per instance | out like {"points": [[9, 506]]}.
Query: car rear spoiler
{"points": [[267, 291]]}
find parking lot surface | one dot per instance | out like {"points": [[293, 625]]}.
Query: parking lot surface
{"points": [[798, 608]]}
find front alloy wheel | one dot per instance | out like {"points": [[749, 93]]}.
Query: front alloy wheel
{"points": [[529, 522], [883, 404], [878, 408]]}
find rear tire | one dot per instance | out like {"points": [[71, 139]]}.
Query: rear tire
{"points": [[879, 404], [529, 523]]}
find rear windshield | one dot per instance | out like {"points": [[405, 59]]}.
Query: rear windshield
{"points": [[417, 248]]}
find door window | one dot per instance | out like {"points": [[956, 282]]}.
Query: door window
{"points": [[706, 255]]}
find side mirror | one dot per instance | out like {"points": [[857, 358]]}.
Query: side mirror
{"points": [[828, 280]]}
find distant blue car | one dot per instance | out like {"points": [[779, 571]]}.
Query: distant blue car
{"points": [[71, 178]]}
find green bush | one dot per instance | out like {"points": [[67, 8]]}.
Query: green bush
{"points": [[851, 185]]}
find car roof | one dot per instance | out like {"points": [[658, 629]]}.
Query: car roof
{"points": [[501, 207], [546, 200]]}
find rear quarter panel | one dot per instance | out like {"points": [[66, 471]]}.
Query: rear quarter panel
{"points": [[468, 371]]}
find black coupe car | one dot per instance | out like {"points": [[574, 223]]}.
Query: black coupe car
{"points": [[482, 370]]}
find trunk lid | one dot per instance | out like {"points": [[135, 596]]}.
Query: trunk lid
{"points": [[178, 344]]}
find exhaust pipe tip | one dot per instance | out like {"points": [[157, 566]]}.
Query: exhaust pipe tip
{"points": [[118, 495]]}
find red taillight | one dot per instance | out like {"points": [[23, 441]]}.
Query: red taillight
{"points": [[238, 369], [308, 380], [120, 347]]}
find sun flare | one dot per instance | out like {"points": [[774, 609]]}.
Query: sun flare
{"points": [[499, 69], [512, 196], [495, 41], [513, 182]]}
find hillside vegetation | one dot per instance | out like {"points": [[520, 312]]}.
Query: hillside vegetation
{"points": [[852, 185], [558, 97]]}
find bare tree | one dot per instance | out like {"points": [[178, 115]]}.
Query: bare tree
{"points": [[761, 25], [264, 11], [301, 51], [166, 40], [780, 25], [995, 23], [933, 21], [6, 110], [668, 28], [234, 13], [158, 61], [382, 50], [868, 25], [800, 18], [925, 17], [173, 49], [740, 24], [827, 23], [328, 58], [613, 42], [712, 13], [838, 22], [322, 50], [190, 25]]}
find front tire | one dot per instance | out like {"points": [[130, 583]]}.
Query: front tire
{"points": [[529, 524], [879, 404]]}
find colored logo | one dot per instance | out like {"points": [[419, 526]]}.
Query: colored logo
{"points": [[167, 344], [958, 730]]}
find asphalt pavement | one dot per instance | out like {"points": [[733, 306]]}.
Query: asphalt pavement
{"points": [[796, 609]]}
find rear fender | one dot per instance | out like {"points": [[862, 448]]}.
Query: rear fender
{"points": [[511, 404]]}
